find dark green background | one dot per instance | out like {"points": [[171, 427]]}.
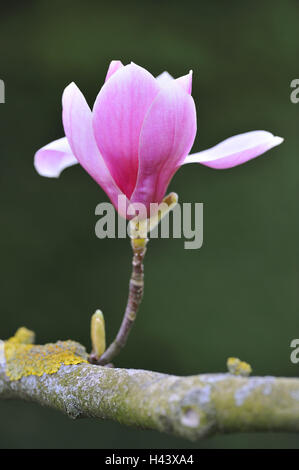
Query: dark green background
{"points": [[237, 295]]}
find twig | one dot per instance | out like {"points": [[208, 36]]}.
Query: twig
{"points": [[136, 287], [138, 228]]}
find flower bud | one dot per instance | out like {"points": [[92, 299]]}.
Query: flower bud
{"points": [[98, 336]]}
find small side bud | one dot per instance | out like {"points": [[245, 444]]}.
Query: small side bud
{"points": [[237, 367], [138, 228], [168, 203], [98, 336]]}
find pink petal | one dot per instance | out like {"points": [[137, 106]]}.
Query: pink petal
{"points": [[236, 150], [119, 112], [186, 82], [114, 66], [164, 79], [52, 159], [166, 138], [77, 121]]}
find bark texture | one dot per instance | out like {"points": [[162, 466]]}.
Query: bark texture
{"points": [[190, 407]]}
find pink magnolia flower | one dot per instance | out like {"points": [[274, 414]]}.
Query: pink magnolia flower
{"points": [[140, 131]]}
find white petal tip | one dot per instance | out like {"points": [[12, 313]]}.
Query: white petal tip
{"points": [[277, 140], [236, 150], [52, 159], [42, 171]]}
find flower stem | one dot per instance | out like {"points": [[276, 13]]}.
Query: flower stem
{"points": [[136, 287]]}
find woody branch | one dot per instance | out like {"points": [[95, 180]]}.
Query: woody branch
{"points": [[191, 407]]}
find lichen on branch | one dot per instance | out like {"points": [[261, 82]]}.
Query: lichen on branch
{"points": [[190, 407], [23, 358]]}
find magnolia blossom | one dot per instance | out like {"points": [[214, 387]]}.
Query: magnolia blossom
{"points": [[140, 131]]}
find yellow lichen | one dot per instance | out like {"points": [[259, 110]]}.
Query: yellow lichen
{"points": [[23, 358], [237, 367], [25, 336]]}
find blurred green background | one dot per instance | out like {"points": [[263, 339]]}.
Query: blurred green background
{"points": [[237, 295]]}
